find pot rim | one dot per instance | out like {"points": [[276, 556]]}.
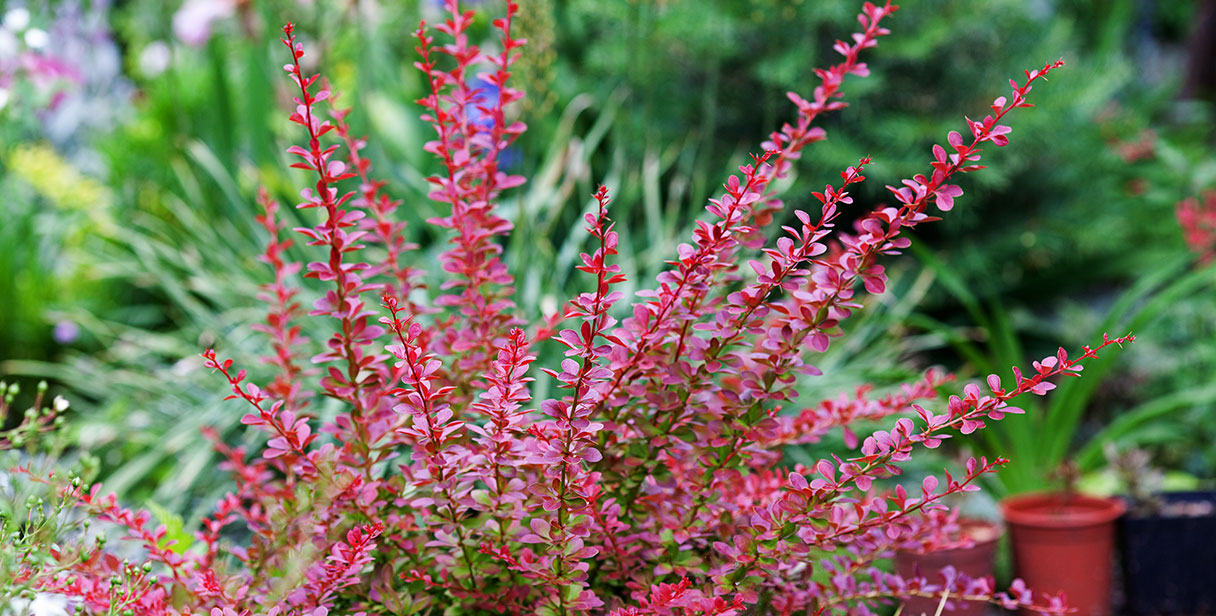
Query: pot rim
{"points": [[1173, 497], [994, 529], [1042, 509]]}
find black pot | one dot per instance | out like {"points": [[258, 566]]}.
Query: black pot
{"points": [[1169, 559]]}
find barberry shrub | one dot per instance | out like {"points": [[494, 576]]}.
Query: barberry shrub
{"points": [[653, 483]]}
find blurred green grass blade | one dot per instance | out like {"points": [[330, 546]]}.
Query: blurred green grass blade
{"points": [[953, 337], [1124, 428], [950, 281], [1129, 315]]}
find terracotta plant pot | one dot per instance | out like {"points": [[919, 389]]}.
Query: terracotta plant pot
{"points": [[1169, 556], [975, 561], [1065, 544]]}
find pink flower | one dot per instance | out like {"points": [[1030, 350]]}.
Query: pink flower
{"points": [[193, 20]]}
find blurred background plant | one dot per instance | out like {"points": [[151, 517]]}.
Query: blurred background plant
{"points": [[34, 516], [61, 87], [135, 137]]}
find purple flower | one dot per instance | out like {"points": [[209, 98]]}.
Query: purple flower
{"points": [[65, 331], [486, 96]]}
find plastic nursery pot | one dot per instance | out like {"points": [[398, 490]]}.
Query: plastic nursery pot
{"points": [[1169, 557], [974, 561], [1065, 543]]}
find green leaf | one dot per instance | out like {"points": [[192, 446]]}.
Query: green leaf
{"points": [[174, 529]]}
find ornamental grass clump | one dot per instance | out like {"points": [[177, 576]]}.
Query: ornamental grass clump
{"points": [[652, 482]]}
